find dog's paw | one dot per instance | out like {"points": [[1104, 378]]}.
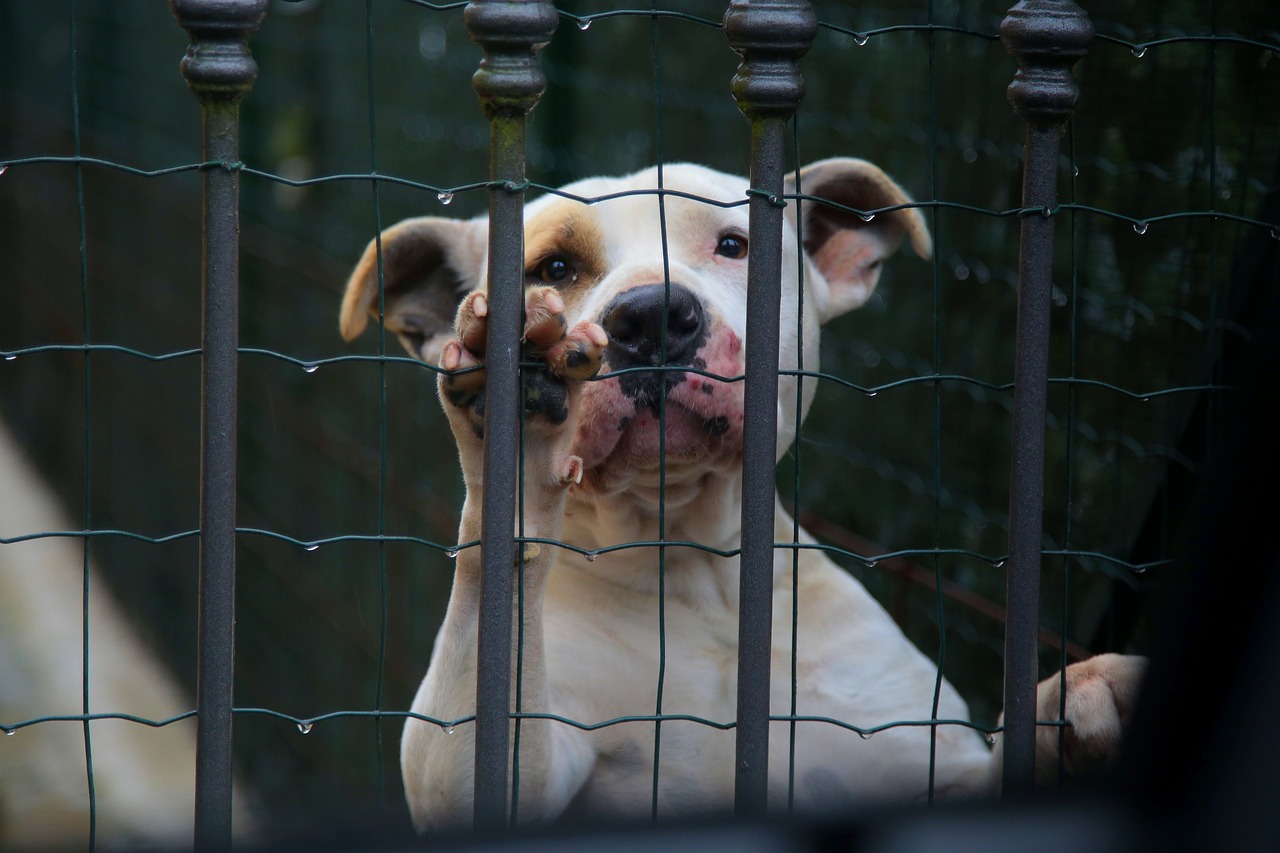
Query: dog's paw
{"points": [[570, 355], [1100, 697]]}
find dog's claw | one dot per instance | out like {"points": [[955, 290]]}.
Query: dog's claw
{"points": [[571, 471]]}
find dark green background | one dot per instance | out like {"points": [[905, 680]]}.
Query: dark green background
{"points": [[1187, 126]]}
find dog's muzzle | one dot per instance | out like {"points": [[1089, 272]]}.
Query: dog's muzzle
{"points": [[667, 396]]}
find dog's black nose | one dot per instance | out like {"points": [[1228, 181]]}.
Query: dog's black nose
{"points": [[635, 319]]}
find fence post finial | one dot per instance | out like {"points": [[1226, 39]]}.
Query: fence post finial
{"points": [[218, 63], [510, 80], [1046, 37], [770, 37]]}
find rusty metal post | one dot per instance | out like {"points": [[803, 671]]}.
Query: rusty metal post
{"points": [[220, 71], [1046, 37], [509, 84], [770, 36]]}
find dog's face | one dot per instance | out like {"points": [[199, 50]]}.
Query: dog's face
{"points": [[667, 280]]}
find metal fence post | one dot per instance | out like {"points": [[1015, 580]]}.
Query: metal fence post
{"points": [[220, 70], [509, 84], [770, 36], [1046, 37]]}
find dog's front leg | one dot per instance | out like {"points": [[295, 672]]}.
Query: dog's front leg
{"points": [[437, 760]]}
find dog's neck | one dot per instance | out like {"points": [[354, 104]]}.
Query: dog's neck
{"points": [[701, 578]]}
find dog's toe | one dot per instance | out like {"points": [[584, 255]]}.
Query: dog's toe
{"points": [[472, 322], [544, 317], [579, 353], [464, 378]]}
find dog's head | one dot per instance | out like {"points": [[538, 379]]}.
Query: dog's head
{"points": [[668, 283]]}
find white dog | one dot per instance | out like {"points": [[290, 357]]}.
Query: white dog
{"points": [[597, 301]]}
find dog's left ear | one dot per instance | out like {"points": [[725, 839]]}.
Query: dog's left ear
{"points": [[846, 248], [427, 265]]}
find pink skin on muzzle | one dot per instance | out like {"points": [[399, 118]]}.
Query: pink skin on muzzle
{"points": [[703, 420]]}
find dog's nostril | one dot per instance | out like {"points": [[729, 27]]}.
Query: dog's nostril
{"points": [[636, 319], [622, 326], [684, 322]]}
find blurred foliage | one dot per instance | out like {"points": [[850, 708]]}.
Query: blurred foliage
{"points": [[358, 448]]}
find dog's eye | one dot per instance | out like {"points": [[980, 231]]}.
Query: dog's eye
{"points": [[552, 270], [732, 246]]}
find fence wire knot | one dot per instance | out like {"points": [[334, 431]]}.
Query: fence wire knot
{"points": [[773, 198], [225, 165], [1044, 212], [508, 186]]}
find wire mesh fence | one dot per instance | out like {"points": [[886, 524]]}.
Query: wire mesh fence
{"points": [[348, 496]]}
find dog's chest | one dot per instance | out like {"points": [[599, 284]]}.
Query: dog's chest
{"points": [[663, 678], [619, 649]]}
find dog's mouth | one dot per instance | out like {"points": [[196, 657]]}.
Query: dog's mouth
{"points": [[688, 421], [669, 430]]}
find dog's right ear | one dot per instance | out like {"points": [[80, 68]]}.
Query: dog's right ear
{"points": [[428, 265]]}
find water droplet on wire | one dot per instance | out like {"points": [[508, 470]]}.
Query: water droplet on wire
{"points": [[990, 739], [305, 728], [860, 39], [310, 368], [446, 729], [4, 169], [584, 24], [1138, 51], [591, 558], [445, 197], [1140, 228], [314, 546], [864, 735], [10, 732], [11, 357], [452, 553], [866, 217]]}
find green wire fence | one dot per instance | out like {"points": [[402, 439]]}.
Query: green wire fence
{"points": [[363, 114]]}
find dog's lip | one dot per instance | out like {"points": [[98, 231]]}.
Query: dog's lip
{"points": [[675, 432], [649, 420], [631, 437]]}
